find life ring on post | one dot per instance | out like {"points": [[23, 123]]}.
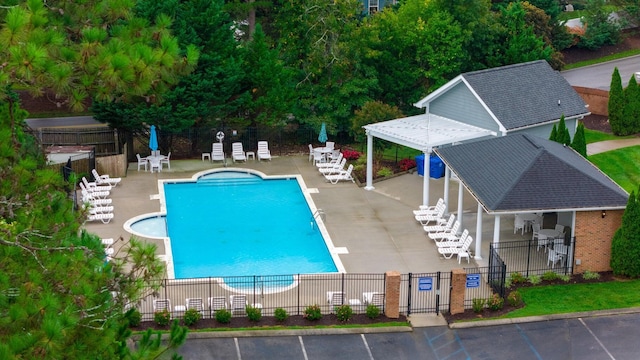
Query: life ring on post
{"points": [[220, 136]]}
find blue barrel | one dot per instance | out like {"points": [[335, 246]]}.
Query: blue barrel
{"points": [[436, 168], [420, 164]]}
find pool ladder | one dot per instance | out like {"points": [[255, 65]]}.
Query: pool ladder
{"points": [[319, 213]]}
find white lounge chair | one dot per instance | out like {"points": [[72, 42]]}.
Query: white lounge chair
{"points": [[331, 163], [195, 303], [447, 235], [95, 187], [263, 152], [454, 242], [373, 298], [96, 194], [437, 228], [335, 298], [166, 160], [435, 217], [161, 305], [342, 176], [217, 152], [91, 199], [217, 303], [107, 242], [448, 252], [335, 169], [142, 162], [105, 179], [237, 153], [99, 209], [238, 303], [105, 218], [429, 210]]}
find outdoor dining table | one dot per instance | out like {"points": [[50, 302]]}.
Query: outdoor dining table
{"points": [[154, 161], [548, 234], [324, 150]]}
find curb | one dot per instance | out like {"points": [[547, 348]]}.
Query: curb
{"points": [[528, 319], [296, 332]]}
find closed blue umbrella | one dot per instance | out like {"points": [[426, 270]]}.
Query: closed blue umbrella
{"points": [[153, 139], [323, 133]]}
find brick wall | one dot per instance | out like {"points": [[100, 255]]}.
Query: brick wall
{"points": [[392, 295], [458, 288], [597, 99], [593, 239]]}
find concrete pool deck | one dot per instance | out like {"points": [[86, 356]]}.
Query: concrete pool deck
{"points": [[377, 227]]}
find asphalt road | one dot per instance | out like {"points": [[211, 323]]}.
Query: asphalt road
{"points": [[599, 76], [596, 338]]}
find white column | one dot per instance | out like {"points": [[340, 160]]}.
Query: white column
{"points": [[496, 229], [369, 162], [425, 180], [460, 197], [447, 177], [478, 255]]}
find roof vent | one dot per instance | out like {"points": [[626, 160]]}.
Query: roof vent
{"points": [[558, 102]]}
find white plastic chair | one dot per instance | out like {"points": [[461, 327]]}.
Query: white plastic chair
{"points": [[238, 303], [166, 160], [105, 179], [237, 153], [553, 258], [342, 176], [335, 298], [195, 303], [216, 303], [310, 152], [142, 162], [161, 305], [263, 152], [330, 145], [217, 152], [518, 224]]}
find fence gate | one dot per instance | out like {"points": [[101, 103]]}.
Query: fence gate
{"points": [[497, 272], [425, 292]]}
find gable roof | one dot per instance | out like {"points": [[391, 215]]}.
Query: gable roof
{"points": [[520, 95], [522, 172]]}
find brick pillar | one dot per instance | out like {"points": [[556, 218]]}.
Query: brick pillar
{"points": [[392, 295], [458, 287]]}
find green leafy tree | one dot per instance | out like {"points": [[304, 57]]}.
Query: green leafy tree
{"points": [[616, 103], [601, 29], [631, 112], [373, 112], [579, 142], [625, 245]]}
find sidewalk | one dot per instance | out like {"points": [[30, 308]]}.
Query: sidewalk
{"points": [[604, 146]]}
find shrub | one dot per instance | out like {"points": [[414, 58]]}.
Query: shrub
{"points": [[162, 318], [134, 317], [590, 275], [280, 314], [191, 316], [254, 313], [550, 276], [565, 278], [344, 313], [385, 171], [477, 305], [223, 316], [372, 311], [514, 298], [535, 279], [312, 312], [495, 302], [406, 164], [517, 278], [351, 154]]}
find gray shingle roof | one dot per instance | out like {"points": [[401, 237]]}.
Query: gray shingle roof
{"points": [[526, 94], [523, 172]]}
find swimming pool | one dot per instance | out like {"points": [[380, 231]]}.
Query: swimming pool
{"points": [[239, 222]]}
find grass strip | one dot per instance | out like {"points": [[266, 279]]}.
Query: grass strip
{"points": [[621, 165], [611, 57], [593, 136], [267, 328], [559, 299]]}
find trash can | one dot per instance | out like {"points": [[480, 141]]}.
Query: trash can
{"points": [[436, 167], [420, 164]]}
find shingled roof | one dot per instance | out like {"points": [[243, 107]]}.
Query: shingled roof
{"points": [[521, 172], [525, 94]]}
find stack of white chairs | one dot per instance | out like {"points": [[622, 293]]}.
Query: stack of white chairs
{"points": [[335, 169], [427, 215], [108, 248], [95, 199]]}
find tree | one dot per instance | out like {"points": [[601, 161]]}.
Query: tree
{"points": [[579, 142], [616, 103], [554, 134], [601, 29], [631, 112], [625, 245], [373, 112]]}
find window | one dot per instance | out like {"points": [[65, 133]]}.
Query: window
{"points": [[373, 6]]}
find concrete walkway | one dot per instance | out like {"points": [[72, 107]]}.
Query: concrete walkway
{"points": [[604, 146]]}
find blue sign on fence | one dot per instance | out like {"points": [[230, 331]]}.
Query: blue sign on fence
{"points": [[425, 284], [473, 281]]}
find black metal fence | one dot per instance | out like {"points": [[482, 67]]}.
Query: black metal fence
{"points": [[532, 257], [425, 292]]}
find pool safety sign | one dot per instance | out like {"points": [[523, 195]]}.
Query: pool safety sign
{"points": [[425, 284], [473, 281]]}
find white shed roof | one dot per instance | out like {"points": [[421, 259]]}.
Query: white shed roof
{"points": [[426, 131]]}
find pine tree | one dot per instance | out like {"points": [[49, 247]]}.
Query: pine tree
{"points": [[554, 133], [579, 143], [616, 103], [625, 246], [563, 136], [631, 107]]}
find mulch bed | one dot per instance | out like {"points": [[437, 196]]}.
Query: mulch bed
{"points": [[269, 321], [487, 313]]}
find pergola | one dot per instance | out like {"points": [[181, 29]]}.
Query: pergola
{"points": [[421, 132]]}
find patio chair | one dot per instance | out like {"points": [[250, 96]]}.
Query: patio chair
{"points": [[105, 218], [454, 242], [318, 157], [95, 187], [341, 176], [330, 145], [448, 252], [195, 303], [310, 152], [166, 160], [427, 209], [447, 235], [100, 209], [334, 154], [95, 193], [161, 305], [437, 228], [263, 152], [238, 303], [335, 169], [105, 179], [553, 258], [373, 298], [335, 298], [217, 152], [216, 303], [435, 217], [142, 162], [518, 224], [330, 163], [559, 228], [91, 199], [237, 153]]}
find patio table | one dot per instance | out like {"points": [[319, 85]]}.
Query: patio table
{"points": [[548, 234], [154, 161]]}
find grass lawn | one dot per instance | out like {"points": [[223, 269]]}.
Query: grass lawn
{"points": [[622, 165], [556, 299], [592, 136]]}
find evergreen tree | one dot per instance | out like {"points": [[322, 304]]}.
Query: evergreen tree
{"points": [[616, 103], [625, 245], [579, 143], [631, 107], [554, 134], [563, 136]]}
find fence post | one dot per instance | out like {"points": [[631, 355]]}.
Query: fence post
{"points": [[409, 292], [438, 294], [392, 295], [458, 286]]}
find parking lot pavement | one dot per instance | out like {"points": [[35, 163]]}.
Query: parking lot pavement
{"points": [[605, 337]]}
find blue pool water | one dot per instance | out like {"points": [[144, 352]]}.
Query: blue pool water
{"points": [[232, 223]]}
